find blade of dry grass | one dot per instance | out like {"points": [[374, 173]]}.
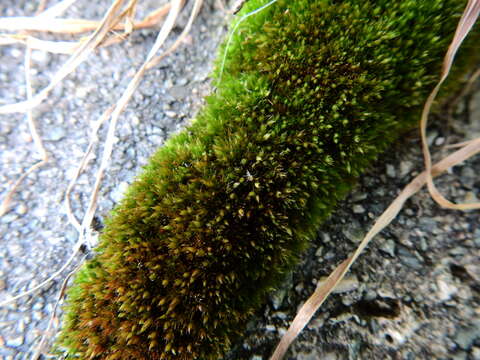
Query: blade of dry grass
{"points": [[314, 302], [120, 105], [85, 234], [468, 150], [57, 47], [465, 24], [77, 26], [196, 8], [83, 163], [5, 205], [466, 90], [459, 145], [54, 47], [57, 9], [109, 21], [40, 348], [51, 278]]}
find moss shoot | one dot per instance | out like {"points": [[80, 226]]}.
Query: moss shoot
{"points": [[312, 92]]}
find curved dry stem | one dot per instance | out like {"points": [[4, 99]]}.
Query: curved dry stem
{"points": [[120, 105], [52, 277], [83, 163], [196, 8], [110, 19], [54, 47], [465, 24], [5, 205], [466, 90], [61, 294], [468, 150], [314, 302], [78, 26]]}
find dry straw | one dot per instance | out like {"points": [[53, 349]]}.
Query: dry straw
{"points": [[466, 151], [104, 34]]}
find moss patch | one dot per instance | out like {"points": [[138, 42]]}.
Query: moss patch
{"points": [[312, 92]]}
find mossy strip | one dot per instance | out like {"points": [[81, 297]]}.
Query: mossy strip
{"points": [[311, 93]]}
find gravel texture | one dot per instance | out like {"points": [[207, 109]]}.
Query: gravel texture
{"points": [[414, 294]]}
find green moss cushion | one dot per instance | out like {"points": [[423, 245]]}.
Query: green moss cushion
{"points": [[311, 93]]}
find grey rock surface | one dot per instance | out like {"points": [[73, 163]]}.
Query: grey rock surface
{"points": [[414, 294]]}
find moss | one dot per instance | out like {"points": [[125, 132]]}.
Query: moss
{"points": [[312, 92]]}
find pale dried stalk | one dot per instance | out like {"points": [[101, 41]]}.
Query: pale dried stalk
{"points": [[41, 344], [58, 47], [78, 26], [466, 90], [314, 302], [465, 24], [80, 55], [5, 205], [196, 8], [93, 140], [115, 111], [57, 9], [468, 150], [459, 145], [120, 105], [69, 47], [54, 47], [52, 277]]}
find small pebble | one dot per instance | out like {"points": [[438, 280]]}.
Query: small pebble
{"points": [[21, 209], [465, 336], [278, 297], [358, 209], [270, 328], [348, 284], [405, 168], [446, 288], [359, 196], [353, 233], [280, 315], [461, 355], [409, 259], [15, 341], [171, 114], [325, 237], [8, 218], [391, 171], [40, 57], [117, 194], [476, 353], [470, 198], [55, 134], [439, 141], [370, 295], [37, 315]]}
